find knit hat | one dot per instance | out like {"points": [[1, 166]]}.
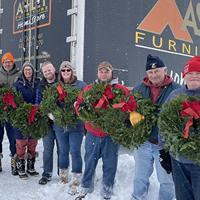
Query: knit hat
{"points": [[154, 62], [193, 65], [7, 56], [105, 65], [27, 63], [67, 64]]}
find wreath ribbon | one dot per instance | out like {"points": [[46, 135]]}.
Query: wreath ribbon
{"points": [[8, 99], [32, 114], [191, 110], [61, 92], [102, 103]]}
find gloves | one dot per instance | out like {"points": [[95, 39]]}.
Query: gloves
{"points": [[50, 115], [165, 161], [60, 104]]}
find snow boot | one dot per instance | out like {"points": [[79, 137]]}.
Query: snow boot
{"points": [[14, 169], [81, 196], [44, 180], [31, 167], [73, 187], [1, 156], [64, 175], [21, 169]]}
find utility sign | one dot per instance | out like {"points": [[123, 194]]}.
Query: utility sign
{"points": [[27, 16]]}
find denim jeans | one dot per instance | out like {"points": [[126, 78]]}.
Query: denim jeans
{"points": [[187, 180], [69, 141], [48, 145], [145, 157], [11, 137], [95, 148]]}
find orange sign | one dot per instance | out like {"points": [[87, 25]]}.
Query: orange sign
{"points": [[166, 13]]}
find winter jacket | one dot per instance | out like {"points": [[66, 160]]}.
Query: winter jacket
{"points": [[180, 91], [8, 78], [89, 127], [30, 93], [166, 88], [44, 84], [79, 126]]}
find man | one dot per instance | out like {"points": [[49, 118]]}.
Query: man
{"points": [[156, 86], [185, 172], [49, 78], [99, 144], [8, 74]]}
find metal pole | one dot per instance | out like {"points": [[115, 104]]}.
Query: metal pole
{"points": [[30, 35]]}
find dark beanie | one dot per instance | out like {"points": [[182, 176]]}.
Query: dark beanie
{"points": [[154, 62]]}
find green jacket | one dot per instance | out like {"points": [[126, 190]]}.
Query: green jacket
{"points": [[8, 78]]}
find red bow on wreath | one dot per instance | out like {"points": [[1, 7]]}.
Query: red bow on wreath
{"points": [[8, 99], [130, 106], [103, 101], [61, 92], [31, 117], [190, 109]]}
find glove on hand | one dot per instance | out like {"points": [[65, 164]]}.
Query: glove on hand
{"points": [[60, 104], [165, 161]]}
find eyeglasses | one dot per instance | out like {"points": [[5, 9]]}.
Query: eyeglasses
{"points": [[65, 70]]}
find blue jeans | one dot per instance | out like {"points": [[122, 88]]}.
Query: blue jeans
{"points": [[69, 140], [187, 180], [95, 148], [48, 145], [11, 137], [145, 157]]}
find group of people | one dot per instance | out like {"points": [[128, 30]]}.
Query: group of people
{"points": [[179, 178]]}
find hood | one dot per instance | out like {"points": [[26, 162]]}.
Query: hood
{"points": [[113, 81], [14, 70], [23, 78]]}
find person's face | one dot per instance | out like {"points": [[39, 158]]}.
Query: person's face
{"points": [[66, 73], [157, 76], [8, 65], [192, 80], [104, 75], [28, 72], [48, 72]]}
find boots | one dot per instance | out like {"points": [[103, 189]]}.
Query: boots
{"points": [[21, 169], [31, 167], [14, 169], [1, 156], [64, 175], [73, 187]]}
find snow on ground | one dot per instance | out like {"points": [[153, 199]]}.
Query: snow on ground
{"points": [[12, 188]]}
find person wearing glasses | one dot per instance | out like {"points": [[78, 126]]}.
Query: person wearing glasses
{"points": [[70, 138]]}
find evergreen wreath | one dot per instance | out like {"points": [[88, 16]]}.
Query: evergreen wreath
{"points": [[59, 99], [10, 99], [30, 121], [113, 114], [179, 124]]}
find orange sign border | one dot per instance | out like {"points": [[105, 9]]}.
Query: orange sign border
{"points": [[34, 27]]}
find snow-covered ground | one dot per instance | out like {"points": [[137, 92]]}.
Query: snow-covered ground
{"points": [[12, 188]]}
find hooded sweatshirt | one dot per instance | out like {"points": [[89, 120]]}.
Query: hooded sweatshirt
{"points": [[9, 77], [30, 90]]}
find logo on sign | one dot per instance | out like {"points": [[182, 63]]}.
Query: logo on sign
{"points": [[31, 14], [163, 22]]}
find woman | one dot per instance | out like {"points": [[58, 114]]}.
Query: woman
{"points": [[70, 138], [29, 86]]}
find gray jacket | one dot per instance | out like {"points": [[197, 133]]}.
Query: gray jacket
{"points": [[174, 94], [8, 78]]}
